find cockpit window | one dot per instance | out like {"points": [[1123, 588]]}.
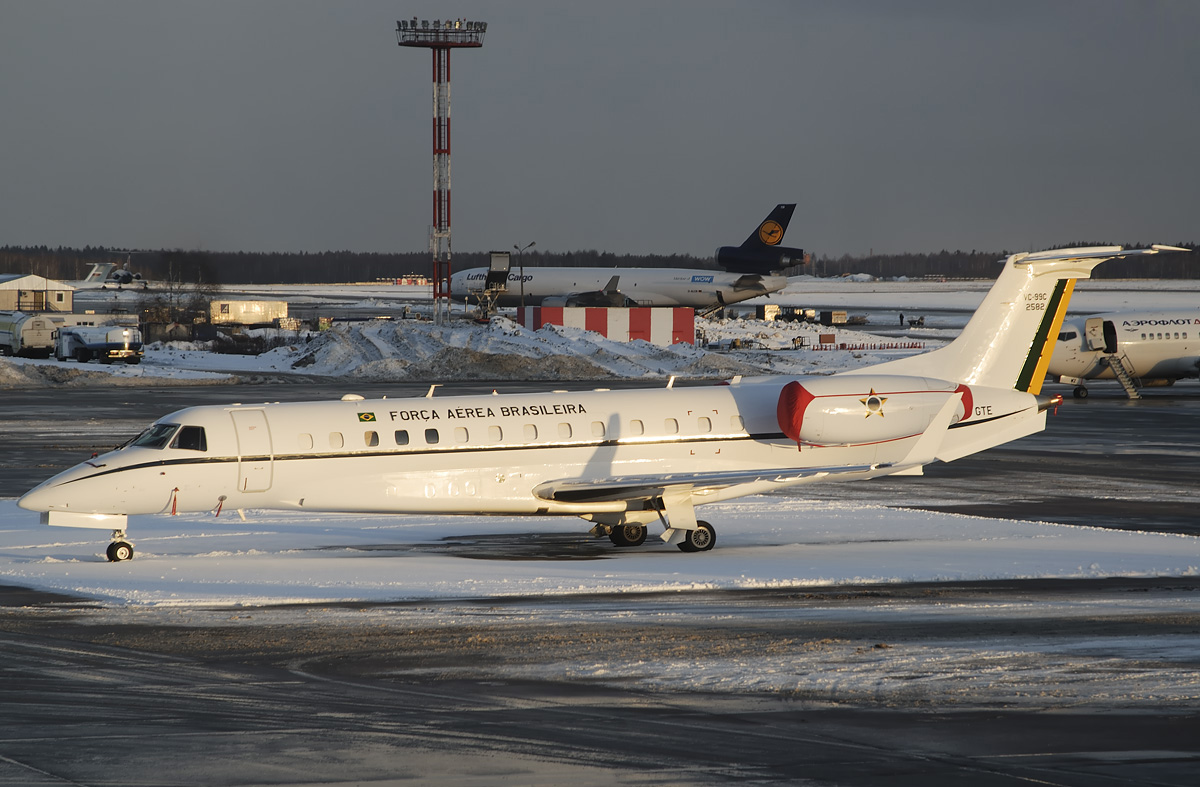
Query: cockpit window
{"points": [[156, 436], [190, 438], [1067, 336]]}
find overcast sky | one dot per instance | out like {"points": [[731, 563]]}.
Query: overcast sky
{"points": [[630, 127]]}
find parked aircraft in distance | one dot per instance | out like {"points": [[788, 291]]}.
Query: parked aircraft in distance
{"points": [[748, 275], [1136, 349], [622, 460], [106, 274]]}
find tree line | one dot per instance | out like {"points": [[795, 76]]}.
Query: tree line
{"points": [[214, 268]]}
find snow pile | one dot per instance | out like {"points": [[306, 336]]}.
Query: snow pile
{"points": [[386, 350]]}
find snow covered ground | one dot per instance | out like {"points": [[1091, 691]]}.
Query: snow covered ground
{"points": [[763, 542]]}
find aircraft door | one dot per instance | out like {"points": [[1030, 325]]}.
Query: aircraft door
{"points": [[1093, 333], [255, 456], [1110, 336]]}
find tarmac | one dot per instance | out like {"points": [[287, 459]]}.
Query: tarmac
{"points": [[472, 693]]}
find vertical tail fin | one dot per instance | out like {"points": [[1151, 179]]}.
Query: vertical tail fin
{"points": [[770, 231], [99, 273], [761, 253], [1008, 341]]}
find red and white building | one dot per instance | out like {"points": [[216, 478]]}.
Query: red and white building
{"points": [[661, 326]]}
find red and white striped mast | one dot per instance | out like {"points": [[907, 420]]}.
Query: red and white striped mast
{"points": [[441, 36]]}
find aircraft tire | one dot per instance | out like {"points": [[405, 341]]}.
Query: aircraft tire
{"points": [[119, 550], [702, 539], [628, 535], [1080, 392]]}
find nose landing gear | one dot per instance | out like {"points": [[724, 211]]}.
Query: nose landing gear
{"points": [[119, 549]]}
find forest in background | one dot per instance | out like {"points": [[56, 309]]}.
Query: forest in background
{"points": [[215, 268]]}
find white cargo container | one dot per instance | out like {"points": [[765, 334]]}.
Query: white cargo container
{"points": [[248, 312]]}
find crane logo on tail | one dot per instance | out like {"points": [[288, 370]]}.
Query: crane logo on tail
{"points": [[770, 233]]}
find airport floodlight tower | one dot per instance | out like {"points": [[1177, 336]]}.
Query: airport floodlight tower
{"points": [[441, 37]]}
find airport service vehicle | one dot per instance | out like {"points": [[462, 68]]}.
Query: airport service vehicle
{"points": [[105, 343], [32, 335], [747, 275], [622, 460]]}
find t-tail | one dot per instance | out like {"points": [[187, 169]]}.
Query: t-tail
{"points": [[99, 273], [761, 253], [1009, 340]]}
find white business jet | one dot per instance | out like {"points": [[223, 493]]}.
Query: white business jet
{"points": [[622, 460], [1134, 348]]}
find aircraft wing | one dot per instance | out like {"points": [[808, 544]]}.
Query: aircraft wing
{"points": [[749, 281], [645, 487]]}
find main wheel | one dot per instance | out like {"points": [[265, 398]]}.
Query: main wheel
{"points": [[120, 550], [702, 539], [1080, 392], [628, 535]]}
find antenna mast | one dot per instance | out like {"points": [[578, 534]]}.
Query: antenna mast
{"points": [[441, 37]]}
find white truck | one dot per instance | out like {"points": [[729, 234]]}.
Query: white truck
{"points": [[28, 335], [106, 343]]}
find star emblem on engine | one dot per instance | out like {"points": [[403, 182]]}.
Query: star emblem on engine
{"points": [[874, 404]]}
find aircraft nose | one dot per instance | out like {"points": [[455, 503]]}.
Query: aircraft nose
{"points": [[36, 499]]}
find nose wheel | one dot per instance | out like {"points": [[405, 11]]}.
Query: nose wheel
{"points": [[119, 549]]}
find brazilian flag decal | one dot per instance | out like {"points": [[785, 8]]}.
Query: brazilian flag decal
{"points": [[366, 417]]}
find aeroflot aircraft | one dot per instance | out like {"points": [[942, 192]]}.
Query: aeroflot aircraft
{"points": [[622, 460], [748, 276], [1153, 348]]}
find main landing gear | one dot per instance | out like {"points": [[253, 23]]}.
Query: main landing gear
{"points": [[627, 535], [119, 549], [702, 539]]}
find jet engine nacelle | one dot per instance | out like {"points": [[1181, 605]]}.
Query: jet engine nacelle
{"points": [[861, 409], [740, 259]]}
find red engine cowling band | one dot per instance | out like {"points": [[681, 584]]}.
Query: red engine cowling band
{"points": [[858, 410]]}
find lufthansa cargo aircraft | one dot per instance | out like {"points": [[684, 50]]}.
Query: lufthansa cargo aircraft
{"points": [[1133, 348], [622, 460], [748, 274]]}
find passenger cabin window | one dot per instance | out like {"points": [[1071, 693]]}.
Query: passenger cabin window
{"points": [[401, 437], [564, 431], [156, 436], [704, 425], [460, 434], [636, 427], [336, 440], [530, 433], [495, 434], [306, 442], [371, 439], [597, 429], [671, 426], [190, 438], [737, 423], [431, 437]]}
